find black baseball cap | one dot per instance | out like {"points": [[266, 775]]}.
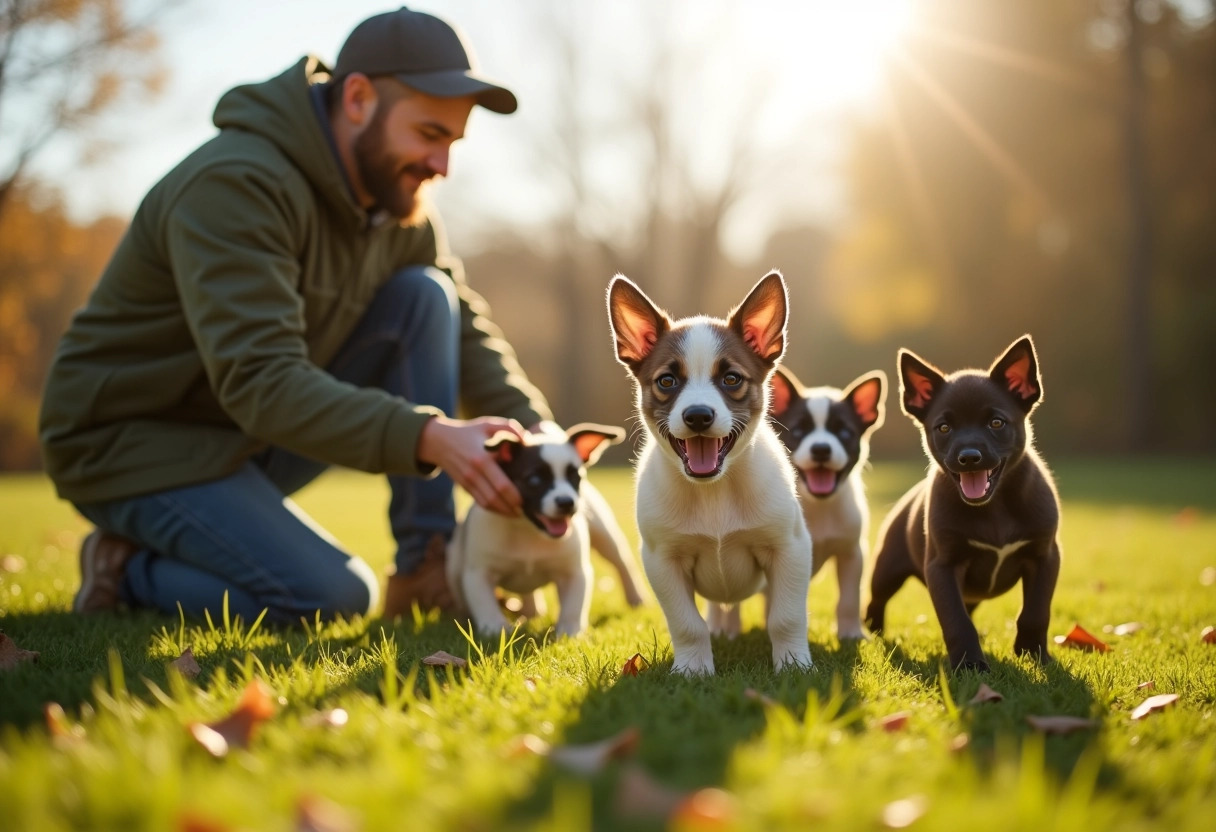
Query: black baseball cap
{"points": [[423, 52]]}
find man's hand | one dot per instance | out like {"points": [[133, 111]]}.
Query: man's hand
{"points": [[458, 447]]}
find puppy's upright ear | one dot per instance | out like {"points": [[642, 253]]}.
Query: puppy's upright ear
{"points": [[919, 382], [1018, 372], [592, 440], [636, 322], [760, 320], [504, 446], [868, 396], [785, 389]]}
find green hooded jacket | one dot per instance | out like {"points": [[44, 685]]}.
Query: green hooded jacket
{"points": [[242, 273]]}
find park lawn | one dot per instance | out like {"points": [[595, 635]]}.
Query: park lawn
{"points": [[440, 749]]}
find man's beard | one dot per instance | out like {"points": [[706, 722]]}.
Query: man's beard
{"points": [[380, 175]]}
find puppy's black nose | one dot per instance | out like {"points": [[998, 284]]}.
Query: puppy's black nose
{"points": [[699, 417], [565, 504], [970, 458], [821, 452]]}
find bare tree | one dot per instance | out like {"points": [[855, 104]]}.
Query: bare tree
{"points": [[62, 64]]}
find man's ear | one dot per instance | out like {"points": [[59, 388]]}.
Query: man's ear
{"points": [[359, 99], [919, 382], [868, 396], [784, 390], [1017, 370], [590, 441], [504, 446]]}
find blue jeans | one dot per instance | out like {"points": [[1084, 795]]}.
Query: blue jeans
{"points": [[241, 535]]}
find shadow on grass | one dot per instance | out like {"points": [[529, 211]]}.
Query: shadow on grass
{"points": [[1028, 690], [688, 728]]}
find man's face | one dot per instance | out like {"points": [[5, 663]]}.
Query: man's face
{"points": [[406, 144]]}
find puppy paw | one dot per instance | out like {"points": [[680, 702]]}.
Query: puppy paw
{"points": [[977, 665], [793, 659], [696, 666], [850, 632]]}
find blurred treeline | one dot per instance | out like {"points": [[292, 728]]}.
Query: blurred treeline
{"points": [[1045, 166]]}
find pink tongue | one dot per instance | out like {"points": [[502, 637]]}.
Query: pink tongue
{"points": [[557, 528], [702, 454], [974, 483], [820, 480]]}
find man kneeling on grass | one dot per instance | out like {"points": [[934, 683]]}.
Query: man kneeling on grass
{"points": [[284, 301]]}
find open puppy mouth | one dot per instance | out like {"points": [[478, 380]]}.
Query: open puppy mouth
{"points": [[703, 456], [820, 481], [977, 487], [552, 526]]}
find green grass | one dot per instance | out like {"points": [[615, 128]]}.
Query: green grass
{"points": [[439, 750]]}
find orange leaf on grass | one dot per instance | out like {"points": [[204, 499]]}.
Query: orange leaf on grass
{"points": [[237, 729], [895, 722], [762, 698], [1154, 703], [442, 659], [589, 758], [1060, 724], [1082, 639], [11, 655], [318, 814], [635, 665], [706, 809], [185, 664], [61, 730], [1209, 635], [985, 694], [190, 822]]}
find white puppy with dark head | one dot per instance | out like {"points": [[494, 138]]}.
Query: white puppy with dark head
{"points": [[716, 502], [828, 432], [563, 517]]}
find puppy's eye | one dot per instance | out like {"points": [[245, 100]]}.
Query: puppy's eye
{"points": [[732, 379], [943, 428], [667, 381], [536, 480], [845, 434], [997, 424]]}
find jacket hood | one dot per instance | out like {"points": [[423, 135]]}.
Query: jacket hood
{"points": [[282, 111]]}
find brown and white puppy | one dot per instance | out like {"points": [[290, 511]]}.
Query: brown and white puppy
{"points": [[716, 505], [563, 516], [827, 432], [987, 514]]}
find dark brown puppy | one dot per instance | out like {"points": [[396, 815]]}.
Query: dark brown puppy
{"points": [[987, 513]]}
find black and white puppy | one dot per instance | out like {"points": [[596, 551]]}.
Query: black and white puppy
{"points": [[987, 514], [716, 505], [563, 517], [827, 432]]}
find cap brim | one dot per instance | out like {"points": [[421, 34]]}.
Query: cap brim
{"points": [[454, 83]]}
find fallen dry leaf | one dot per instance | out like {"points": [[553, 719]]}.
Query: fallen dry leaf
{"points": [[1149, 685], [635, 665], [1060, 724], [11, 655], [705, 809], [238, 728], [589, 758], [640, 795], [527, 744], [62, 731], [1209, 635], [1128, 628], [1154, 703], [1187, 516], [332, 718], [985, 694], [762, 698], [318, 814], [1082, 639], [959, 743], [190, 822], [185, 664], [442, 659], [903, 813], [895, 722]]}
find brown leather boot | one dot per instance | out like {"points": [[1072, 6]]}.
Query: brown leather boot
{"points": [[103, 560], [427, 586]]}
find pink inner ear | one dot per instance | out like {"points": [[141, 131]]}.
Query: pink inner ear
{"points": [[638, 339], [779, 395], [865, 401], [922, 389], [586, 443], [759, 339], [502, 452], [1018, 376]]}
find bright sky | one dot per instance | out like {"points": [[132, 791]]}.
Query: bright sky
{"points": [[814, 60]]}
